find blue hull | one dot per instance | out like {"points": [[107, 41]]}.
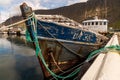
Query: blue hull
{"points": [[52, 30]]}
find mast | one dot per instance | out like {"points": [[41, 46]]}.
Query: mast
{"points": [[105, 8], [86, 10]]}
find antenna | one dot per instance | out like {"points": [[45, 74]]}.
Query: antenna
{"points": [[85, 10], [105, 8]]}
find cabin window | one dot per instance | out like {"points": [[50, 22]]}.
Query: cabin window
{"points": [[100, 23], [92, 23], [96, 23], [104, 23], [83, 24], [88, 23]]}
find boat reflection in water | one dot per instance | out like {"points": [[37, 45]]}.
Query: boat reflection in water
{"points": [[17, 60]]}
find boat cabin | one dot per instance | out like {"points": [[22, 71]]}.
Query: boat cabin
{"points": [[98, 25]]}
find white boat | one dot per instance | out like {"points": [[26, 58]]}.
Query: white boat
{"points": [[97, 25]]}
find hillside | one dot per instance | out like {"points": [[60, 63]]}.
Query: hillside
{"points": [[13, 20], [82, 11]]}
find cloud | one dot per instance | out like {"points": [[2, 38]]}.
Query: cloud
{"points": [[4, 16], [5, 2], [11, 7], [75, 1], [35, 4], [46, 1]]}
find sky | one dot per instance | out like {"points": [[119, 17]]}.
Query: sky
{"points": [[9, 8]]}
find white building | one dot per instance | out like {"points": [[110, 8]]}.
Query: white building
{"points": [[98, 25]]}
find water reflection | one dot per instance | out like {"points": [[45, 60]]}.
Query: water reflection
{"points": [[17, 60]]}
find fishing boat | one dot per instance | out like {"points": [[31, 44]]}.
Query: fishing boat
{"points": [[63, 42], [96, 24]]}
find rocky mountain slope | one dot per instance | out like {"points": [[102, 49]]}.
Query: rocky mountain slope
{"points": [[108, 9]]}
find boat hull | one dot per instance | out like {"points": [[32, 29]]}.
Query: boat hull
{"points": [[63, 54], [56, 31], [62, 46], [66, 48]]}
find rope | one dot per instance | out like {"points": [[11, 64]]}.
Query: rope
{"points": [[55, 62], [77, 66], [59, 42], [94, 54], [19, 22], [104, 49]]}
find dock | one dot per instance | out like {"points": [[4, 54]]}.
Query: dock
{"points": [[107, 64]]}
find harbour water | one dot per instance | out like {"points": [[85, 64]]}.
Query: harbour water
{"points": [[18, 60]]}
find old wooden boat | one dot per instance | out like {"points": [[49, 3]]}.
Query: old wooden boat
{"points": [[62, 46]]}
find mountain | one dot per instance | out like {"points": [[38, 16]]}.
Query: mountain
{"points": [[108, 9], [13, 20]]}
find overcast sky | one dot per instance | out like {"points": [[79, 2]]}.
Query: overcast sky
{"points": [[11, 7]]}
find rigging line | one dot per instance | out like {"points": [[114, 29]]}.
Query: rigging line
{"points": [[97, 52], [76, 78], [60, 42], [79, 65], [19, 22], [73, 68], [55, 62]]}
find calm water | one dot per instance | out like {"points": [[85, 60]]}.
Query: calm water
{"points": [[17, 60]]}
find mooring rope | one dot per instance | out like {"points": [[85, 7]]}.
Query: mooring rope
{"points": [[55, 62], [22, 21], [104, 49]]}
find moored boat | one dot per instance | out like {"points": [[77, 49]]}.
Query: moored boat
{"points": [[62, 46], [96, 24]]}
